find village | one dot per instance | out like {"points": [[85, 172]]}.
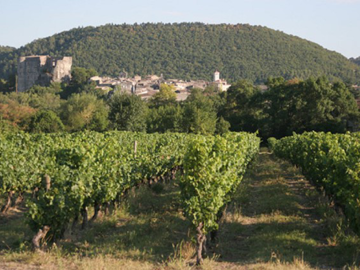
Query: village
{"points": [[43, 69], [150, 85], [180, 135]]}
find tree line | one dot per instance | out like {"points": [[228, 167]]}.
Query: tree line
{"points": [[356, 60], [287, 106]]}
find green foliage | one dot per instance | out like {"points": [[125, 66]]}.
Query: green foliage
{"points": [[241, 108], [222, 126], [330, 161], [166, 118], [213, 168], [164, 96], [44, 98], [211, 89], [53, 208], [37, 97], [271, 143], [89, 168], [6, 49], [128, 112], [46, 122], [84, 111], [290, 106], [6, 126], [314, 104], [4, 87], [199, 115], [189, 51], [81, 75], [356, 60], [80, 83], [54, 88]]}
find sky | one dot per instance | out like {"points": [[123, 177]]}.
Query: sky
{"points": [[334, 24]]}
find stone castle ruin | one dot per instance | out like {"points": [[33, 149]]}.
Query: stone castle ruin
{"points": [[42, 70]]}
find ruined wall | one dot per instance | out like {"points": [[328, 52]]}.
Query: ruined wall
{"points": [[42, 70], [29, 70], [62, 70]]}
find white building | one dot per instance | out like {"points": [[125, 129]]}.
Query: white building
{"points": [[221, 84]]}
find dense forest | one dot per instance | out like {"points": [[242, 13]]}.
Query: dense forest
{"points": [[189, 51], [5, 53], [356, 60], [6, 49]]}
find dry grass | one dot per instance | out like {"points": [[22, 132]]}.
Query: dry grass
{"points": [[277, 220]]}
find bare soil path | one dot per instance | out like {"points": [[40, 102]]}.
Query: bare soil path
{"points": [[278, 216]]}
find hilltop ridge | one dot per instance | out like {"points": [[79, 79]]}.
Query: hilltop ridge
{"points": [[356, 60], [189, 51]]}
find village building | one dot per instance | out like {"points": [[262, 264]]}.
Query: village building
{"points": [[222, 85], [150, 85]]}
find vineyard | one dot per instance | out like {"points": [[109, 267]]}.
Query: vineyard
{"points": [[123, 200], [331, 163], [68, 173]]}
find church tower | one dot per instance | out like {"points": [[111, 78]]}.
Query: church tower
{"points": [[216, 76]]}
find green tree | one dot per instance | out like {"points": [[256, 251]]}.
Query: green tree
{"points": [[199, 114], [165, 96], [211, 89], [222, 126], [281, 105], [6, 126], [345, 106], [3, 86], [328, 106], [84, 111], [165, 118], [241, 108], [81, 75], [313, 104], [80, 83], [45, 98], [54, 88], [127, 112], [45, 122]]}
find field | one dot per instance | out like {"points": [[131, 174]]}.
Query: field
{"points": [[276, 220]]}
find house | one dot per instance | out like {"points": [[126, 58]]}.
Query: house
{"points": [[148, 86], [222, 85]]}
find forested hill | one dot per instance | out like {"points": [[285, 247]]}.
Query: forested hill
{"points": [[5, 50], [189, 51], [356, 60]]}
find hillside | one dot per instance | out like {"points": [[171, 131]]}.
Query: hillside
{"points": [[4, 49], [356, 60], [189, 51], [5, 52]]}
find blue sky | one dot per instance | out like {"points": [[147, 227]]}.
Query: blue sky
{"points": [[334, 24]]}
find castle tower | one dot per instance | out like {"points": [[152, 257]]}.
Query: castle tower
{"points": [[29, 70], [216, 76], [42, 70]]}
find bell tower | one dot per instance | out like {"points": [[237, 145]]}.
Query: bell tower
{"points": [[216, 76]]}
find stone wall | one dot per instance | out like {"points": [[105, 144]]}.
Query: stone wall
{"points": [[42, 70], [62, 69], [29, 70]]}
